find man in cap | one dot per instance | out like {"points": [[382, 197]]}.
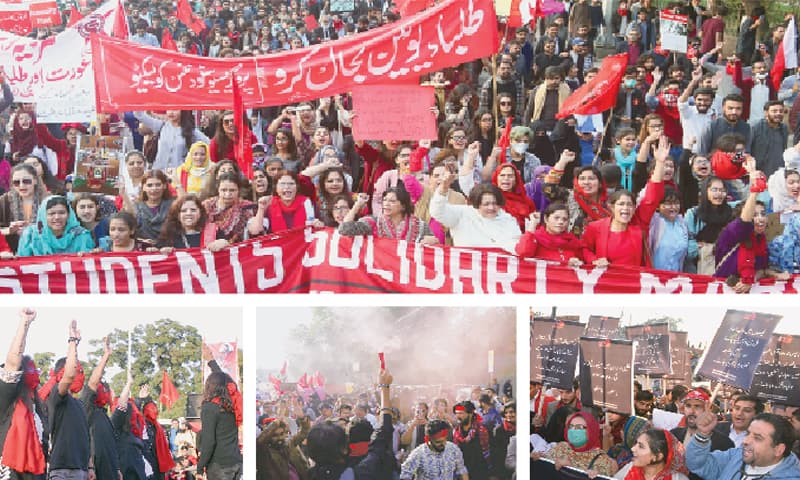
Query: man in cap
{"points": [[473, 439], [695, 404], [435, 459]]}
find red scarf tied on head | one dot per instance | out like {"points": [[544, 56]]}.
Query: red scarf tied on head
{"points": [[236, 400], [518, 205], [75, 387], [437, 436], [674, 463], [165, 462], [103, 396], [592, 432]]}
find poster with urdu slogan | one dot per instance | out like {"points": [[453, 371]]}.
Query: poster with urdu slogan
{"points": [[653, 355], [737, 347], [97, 161], [674, 31], [778, 372], [602, 327], [554, 351], [681, 358], [606, 374]]}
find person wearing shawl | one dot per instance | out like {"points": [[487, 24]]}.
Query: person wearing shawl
{"points": [[471, 436], [782, 199], [507, 178], [625, 155], [285, 210], [541, 146], [518, 153], [57, 231], [620, 449], [551, 240], [23, 134], [231, 214], [220, 415], [21, 430], [193, 175], [129, 424], [587, 200], [155, 200], [535, 188], [622, 238], [156, 445], [741, 250], [395, 220], [581, 447], [657, 455], [705, 222], [422, 206]]}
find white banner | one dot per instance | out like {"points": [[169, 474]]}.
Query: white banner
{"points": [[56, 73], [674, 32]]}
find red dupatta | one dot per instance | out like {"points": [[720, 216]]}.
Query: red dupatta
{"points": [[296, 210]]}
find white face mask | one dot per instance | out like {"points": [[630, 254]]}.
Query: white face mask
{"points": [[519, 148]]}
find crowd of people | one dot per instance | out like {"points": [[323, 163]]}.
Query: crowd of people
{"points": [[741, 438], [691, 171], [375, 435], [75, 427]]}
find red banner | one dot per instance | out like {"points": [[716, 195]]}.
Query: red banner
{"points": [[600, 94], [44, 14], [134, 77], [323, 261], [15, 19]]}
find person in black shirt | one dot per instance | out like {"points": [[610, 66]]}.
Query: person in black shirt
{"points": [[69, 428], [220, 415], [96, 397]]}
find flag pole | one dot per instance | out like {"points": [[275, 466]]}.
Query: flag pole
{"points": [[496, 109], [603, 137]]}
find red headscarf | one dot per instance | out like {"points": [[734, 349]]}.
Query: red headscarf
{"points": [[165, 462], [22, 450], [592, 432], [518, 205], [674, 463], [55, 378], [103, 396], [594, 210]]}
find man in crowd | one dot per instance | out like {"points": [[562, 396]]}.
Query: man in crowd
{"points": [[566, 397], [730, 122], [745, 408], [506, 82], [500, 438], [696, 118], [545, 101], [277, 458], [770, 139], [643, 404], [473, 440], [695, 403], [435, 459], [765, 451]]}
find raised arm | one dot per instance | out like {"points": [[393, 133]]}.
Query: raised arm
{"points": [[126, 393], [97, 373], [72, 359], [17, 348]]}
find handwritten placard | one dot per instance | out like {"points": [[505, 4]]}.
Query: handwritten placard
{"points": [[97, 161], [777, 383], [397, 112], [602, 327], [606, 374], [554, 351], [737, 347], [674, 31], [653, 356], [681, 358], [783, 350]]}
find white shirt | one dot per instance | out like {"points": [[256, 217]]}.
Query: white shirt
{"points": [[694, 123]]}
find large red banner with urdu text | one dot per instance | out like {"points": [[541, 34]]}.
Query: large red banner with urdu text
{"points": [[129, 76], [323, 261]]}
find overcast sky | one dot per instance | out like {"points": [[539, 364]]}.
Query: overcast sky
{"points": [[50, 330]]}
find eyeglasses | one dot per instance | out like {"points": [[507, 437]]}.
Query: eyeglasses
{"points": [[717, 190], [505, 104], [227, 121], [24, 181], [577, 427], [459, 138]]}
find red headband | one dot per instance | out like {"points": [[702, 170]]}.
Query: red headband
{"points": [[697, 394], [459, 408], [437, 436]]}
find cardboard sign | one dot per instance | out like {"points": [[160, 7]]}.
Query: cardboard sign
{"points": [[607, 374], [342, 5], [554, 351], [502, 7], [737, 347], [97, 161], [602, 327], [782, 350], [681, 357], [44, 14], [545, 469], [666, 420], [653, 356], [403, 115], [777, 383], [674, 31]]}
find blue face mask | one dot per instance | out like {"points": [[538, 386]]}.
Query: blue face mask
{"points": [[630, 83], [577, 438]]}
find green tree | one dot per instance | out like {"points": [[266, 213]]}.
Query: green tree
{"points": [[44, 362]]}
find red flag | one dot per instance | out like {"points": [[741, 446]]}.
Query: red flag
{"points": [[120, 29], [302, 382], [187, 17], [410, 7], [782, 60], [167, 41], [169, 394], [600, 94], [283, 368], [244, 149], [505, 140], [383, 360], [276, 383], [74, 16], [514, 17]]}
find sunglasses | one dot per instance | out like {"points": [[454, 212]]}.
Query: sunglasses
{"points": [[24, 181], [505, 104]]}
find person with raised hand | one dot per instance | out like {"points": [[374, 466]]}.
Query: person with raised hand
{"points": [[96, 398]]}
